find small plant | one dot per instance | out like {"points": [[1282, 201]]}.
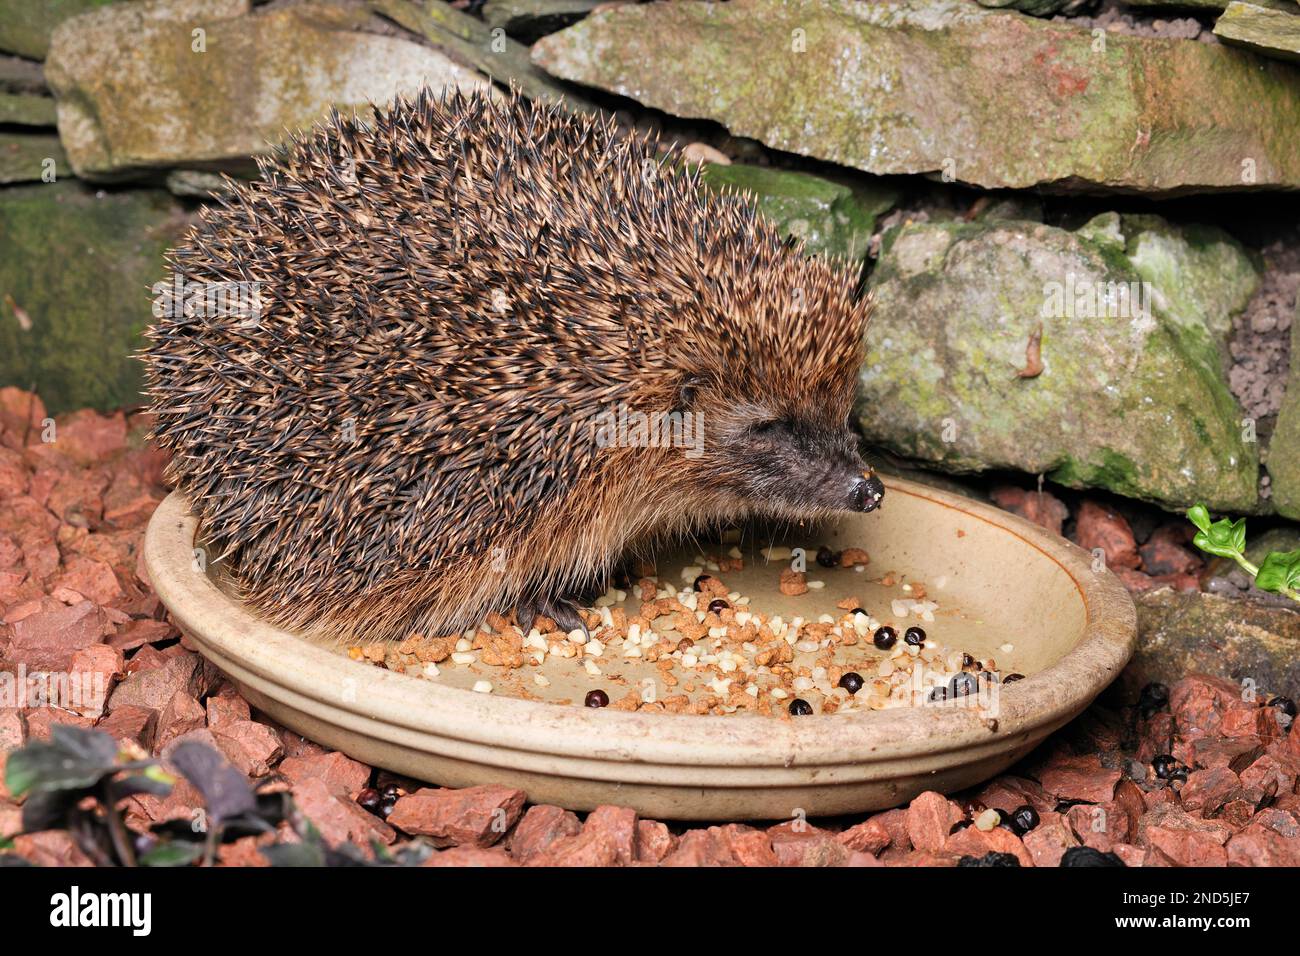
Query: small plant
{"points": [[76, 780], [1279, 572]]}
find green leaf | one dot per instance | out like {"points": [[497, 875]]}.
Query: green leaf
{"points": [[1199, 516], [1279, 572], [178, 853], [294, 854], [1223, 538], [73, 759]]}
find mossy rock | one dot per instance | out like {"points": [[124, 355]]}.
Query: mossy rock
{"points": [[1131, 395], [1267, 30], [258, 76], [76, 267], [1238, 639], [836, 218], [26, 25], [1284, 446], [992, 98], [31, 157]]}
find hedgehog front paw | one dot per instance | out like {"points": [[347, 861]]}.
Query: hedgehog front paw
{"points": [[562, 610]]}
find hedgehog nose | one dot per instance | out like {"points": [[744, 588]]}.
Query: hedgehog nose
{"points": [[865, 493]]}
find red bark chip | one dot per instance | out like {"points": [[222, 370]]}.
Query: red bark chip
{"points": [[1079, 778], [1048, 841], [341, 772], [870, 836], [259, 742], [87, 437], [1188, 847], [155, 686], [539, 827], [135, 724], [620, 825], [1208, 789], [339, 819], [654, 841], [701, 848], [225, 709], [46, 640], [1199, 702], [929, 818], [21, 415], [1042, 508], [589, 848], [1101, 826], [970, 841], [470, 856], [42, 719], [94, 670], [801, 844], [745, 845], [474, 815], [1097, 526], [182, 714], [1166, 552]]}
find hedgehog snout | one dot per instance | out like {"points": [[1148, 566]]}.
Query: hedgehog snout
{"points": [[865, 492]]}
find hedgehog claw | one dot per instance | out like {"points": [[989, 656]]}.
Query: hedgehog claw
{"points": [[563, 611]]}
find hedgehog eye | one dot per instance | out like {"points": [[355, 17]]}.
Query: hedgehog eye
{"points": [[686, 396]]}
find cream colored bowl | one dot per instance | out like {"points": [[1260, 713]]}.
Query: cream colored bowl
{"points": [[1000, 582]]}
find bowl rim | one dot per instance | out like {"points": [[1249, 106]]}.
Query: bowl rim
{"points": [[224, 626]]}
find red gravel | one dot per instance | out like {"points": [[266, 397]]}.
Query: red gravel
{"points": [[73, 595]]}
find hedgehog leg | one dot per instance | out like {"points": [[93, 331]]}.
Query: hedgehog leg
{"points": [[562, 610]]}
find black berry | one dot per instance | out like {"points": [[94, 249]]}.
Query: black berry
{"points": [[717, 606], [699, 582], [859, 610], [914, 636], [852, 682], [1168, 768], [1024, 819], [1284, 704], [828, 558], [1087, 856], [938, 695], [596, 698], [989, 859], [1012, 678], [963, 685], [885, 637], [800, 708], [370, 799], [1153, 698]]}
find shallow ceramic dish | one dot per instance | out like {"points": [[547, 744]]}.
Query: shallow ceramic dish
{"points": [[998, 579]]}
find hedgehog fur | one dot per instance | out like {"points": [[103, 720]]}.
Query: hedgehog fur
{"points": [[402, 436]]}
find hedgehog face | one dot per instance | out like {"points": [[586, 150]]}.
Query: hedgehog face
{"points": [[788, 463]]}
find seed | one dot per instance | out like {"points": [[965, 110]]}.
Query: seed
{"points": [[852, 682], [828, 558], [1024, 819], [988, 820], [914, 636], [1012, 678], [718, 606], [884, 637], [370, 800], [1284, 704], [596, 698], [800, 708]]}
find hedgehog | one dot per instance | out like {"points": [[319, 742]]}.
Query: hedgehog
{"points": [[491, 349]]}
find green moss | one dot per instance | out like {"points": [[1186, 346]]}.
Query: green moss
{"points": [[75, 273]]}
